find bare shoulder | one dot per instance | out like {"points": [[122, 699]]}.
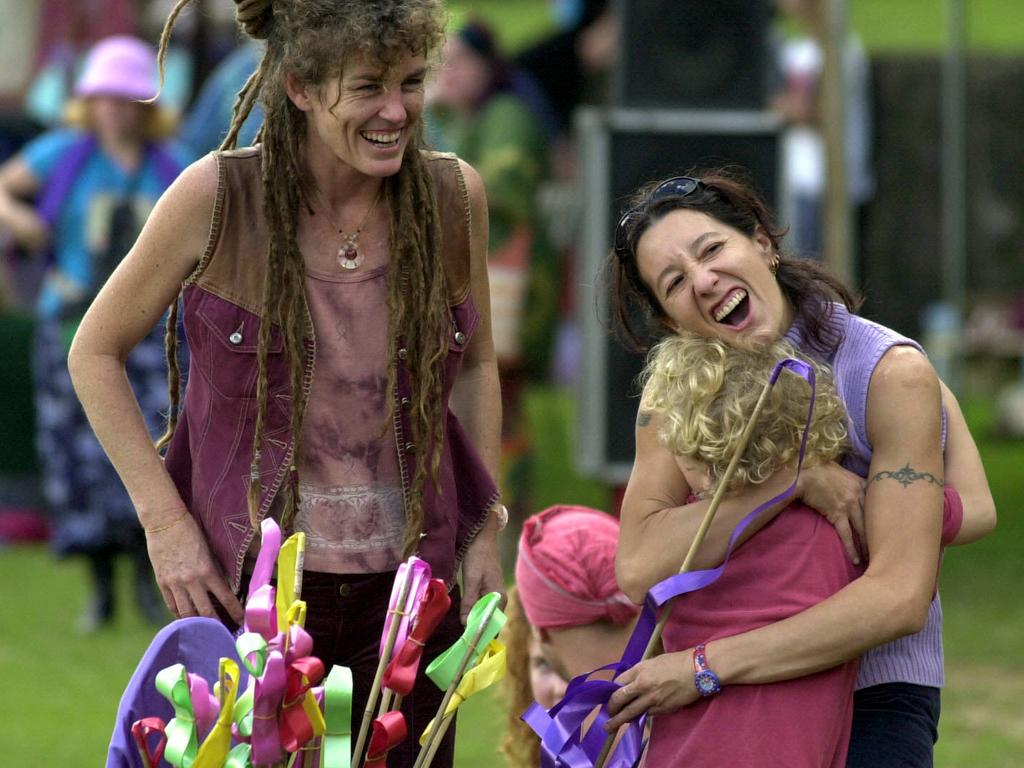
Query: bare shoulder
{"points": [[903, 369], [904, 397]]}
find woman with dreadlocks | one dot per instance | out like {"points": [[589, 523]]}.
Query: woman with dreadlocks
{"points": [[343, 380]]}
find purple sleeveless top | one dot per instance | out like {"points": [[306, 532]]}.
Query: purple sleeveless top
{"points": [[915, 658]]}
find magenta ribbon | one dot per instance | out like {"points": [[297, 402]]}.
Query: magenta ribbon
{"points": [[260, 609], [267, 697], [204, 704], [559, 728], [418, 573]]}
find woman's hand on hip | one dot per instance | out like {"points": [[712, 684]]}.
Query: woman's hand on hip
{"points": [[186, 572], [838, 494], [481, 570], [658, 685]]}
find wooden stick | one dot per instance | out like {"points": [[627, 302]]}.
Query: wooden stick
{"points": [[435, 743], [389, 645], [698, 539], [463, 665]]}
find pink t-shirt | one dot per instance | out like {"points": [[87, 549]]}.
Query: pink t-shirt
{"points": [[794, 562], [352, 507]]}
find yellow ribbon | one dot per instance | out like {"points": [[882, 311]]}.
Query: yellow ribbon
{"points": [[214, 749], [488, 670], [289, 575]]}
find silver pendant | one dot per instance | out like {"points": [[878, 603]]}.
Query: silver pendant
{"points": [[349, 256]]}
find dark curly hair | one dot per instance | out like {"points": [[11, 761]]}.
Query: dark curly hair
{"points": [[637, 317]]}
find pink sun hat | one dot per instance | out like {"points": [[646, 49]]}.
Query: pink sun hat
{"points": [[122, 66]]}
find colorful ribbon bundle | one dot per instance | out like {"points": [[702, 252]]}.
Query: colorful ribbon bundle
{"points": [[279, 715], [483, 624], [564, 744], [284, 716]]}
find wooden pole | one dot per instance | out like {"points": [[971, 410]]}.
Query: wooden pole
{"points": [[698, 539]]}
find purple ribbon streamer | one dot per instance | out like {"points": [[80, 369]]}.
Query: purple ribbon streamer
{"points": [[559, 727]]}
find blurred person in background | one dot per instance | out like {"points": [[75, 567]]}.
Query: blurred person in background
{"points": [[801, 60], [491, 114], [209, 118], [94, 184]]}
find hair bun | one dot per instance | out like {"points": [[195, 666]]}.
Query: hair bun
{"points": [[255, 17]]}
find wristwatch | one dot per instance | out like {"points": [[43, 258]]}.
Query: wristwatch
{"points": [[707, 682]]}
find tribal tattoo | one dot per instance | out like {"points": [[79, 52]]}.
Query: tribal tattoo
{"points": [[906, 476]]}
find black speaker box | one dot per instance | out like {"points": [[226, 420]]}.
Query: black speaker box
{"points": [[619, 151], [693, 54]]}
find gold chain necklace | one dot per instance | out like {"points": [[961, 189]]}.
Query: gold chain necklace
{"points": [[348, 254]]}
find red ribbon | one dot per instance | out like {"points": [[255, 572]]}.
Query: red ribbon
{"points": [[295, 727], [141, 731], [400, 675], [388, 732]]}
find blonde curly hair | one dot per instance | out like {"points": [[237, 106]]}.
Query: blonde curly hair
{"points": [[704, 392]]}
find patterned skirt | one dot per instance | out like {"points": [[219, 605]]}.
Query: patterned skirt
{"points": [[89, 507]]}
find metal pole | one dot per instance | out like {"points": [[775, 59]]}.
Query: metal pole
{"points": [[954, 179], [837, 234]]}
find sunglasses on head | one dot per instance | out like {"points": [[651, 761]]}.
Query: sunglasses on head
{"points": [[677, 186]]}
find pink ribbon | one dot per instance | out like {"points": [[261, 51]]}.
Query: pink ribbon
{"points": [[204, 704], [418, 573], [260, 609], [266, 742]]}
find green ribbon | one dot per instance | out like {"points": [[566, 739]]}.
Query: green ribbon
{"points": [[443, 669], [243, 713], [240, 756], [252, 650], [182, 742], [336, 744]]}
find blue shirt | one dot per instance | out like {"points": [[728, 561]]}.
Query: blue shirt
{"points": [[82, 228]]}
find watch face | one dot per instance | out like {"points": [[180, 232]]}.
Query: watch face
{"points": [[707, 682]]}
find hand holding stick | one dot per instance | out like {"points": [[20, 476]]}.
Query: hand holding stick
{"points": [[698, 539]]}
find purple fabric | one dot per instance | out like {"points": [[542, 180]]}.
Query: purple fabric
{"points": [[199, 644], [916, 658]]}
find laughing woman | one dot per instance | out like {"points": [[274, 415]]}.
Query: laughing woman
{"points": [[702, 256], [343, 379]]}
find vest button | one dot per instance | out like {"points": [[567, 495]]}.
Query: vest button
{"points": [[406, 403], [410, 448], [460, 338], [403, 353], [235, 338]]}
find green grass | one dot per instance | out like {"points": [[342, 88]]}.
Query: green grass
{"points": [[884, 25], [58, 676]]}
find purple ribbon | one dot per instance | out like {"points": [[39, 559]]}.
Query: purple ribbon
{"points": [[559, 728]]}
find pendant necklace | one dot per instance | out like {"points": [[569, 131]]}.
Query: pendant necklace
{"points": [[348, 254]]}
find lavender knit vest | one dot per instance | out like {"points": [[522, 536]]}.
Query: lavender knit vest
{"points": [[916, 658]]}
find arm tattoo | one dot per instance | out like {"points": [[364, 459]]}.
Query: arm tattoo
{"points": [[643, 418], [907, 475]]}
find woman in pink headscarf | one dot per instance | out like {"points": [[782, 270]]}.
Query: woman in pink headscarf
{"points": [[567, 615]]}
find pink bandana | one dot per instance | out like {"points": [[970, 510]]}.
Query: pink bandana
{"points": [[566, 569]]}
